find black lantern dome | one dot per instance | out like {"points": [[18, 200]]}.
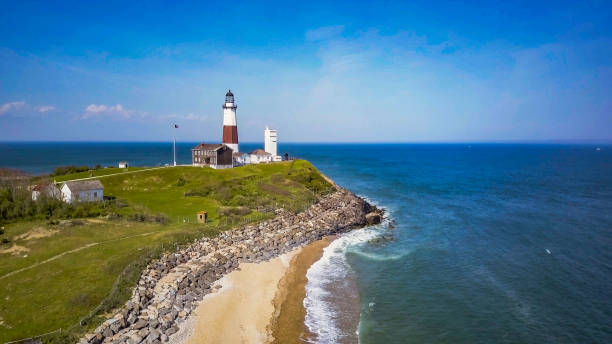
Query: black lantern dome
{"points": [[229, 97]]}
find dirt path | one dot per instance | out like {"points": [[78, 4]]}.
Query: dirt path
{"points": [[114, 174], [69, 252]]}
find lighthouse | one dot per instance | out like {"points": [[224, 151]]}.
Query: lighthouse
{"points": [[230, 127]]}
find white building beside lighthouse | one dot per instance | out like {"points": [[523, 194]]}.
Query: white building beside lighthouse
{"points": [[271, 143], [230, 126]]}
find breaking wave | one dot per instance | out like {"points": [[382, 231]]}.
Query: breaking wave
{"points": [[330, 272]]}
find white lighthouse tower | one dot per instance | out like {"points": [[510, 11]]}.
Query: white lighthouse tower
{"points": [[230, 126]]}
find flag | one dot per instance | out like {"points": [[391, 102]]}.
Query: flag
{"points": [[176, 126]]}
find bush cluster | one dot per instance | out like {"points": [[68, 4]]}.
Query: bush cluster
{"points": [[62, 170], [16, 203], [142, 217], [312, 180], [227, 211]]}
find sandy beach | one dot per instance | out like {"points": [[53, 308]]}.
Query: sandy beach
{"points": [[258, 303]]}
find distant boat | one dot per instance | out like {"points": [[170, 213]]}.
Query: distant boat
{"points": [[548, 251], [597, 149]]}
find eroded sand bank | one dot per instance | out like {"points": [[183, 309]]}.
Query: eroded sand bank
{"points": [[241, 310], [259, 303]]}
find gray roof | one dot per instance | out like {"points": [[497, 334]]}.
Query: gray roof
{"points": [[83, 185], [259, 151]]}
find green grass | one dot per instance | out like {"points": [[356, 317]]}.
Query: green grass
{"points": [[61, 292], [96, 173]]}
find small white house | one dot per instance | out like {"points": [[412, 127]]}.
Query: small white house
{"points": [[241, 159], [48, 190], [123, 164], [83, 191], [259, 156]]}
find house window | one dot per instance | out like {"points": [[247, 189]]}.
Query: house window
{"points": [[95, 194]]}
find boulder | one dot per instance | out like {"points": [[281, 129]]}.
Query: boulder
{"points": [[373, 218]]}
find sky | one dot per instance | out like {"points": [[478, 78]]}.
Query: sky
{"points": [[337, 71]]}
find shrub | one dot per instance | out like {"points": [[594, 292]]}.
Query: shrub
{"points": [[229, 211], [181, 181], [143, 217], [63, 170], [61, 337], [5, 241], [274, 189], [277, 178], [201, 192]]}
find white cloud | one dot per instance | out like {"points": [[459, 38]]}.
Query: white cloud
{"points": [[12, 106], [115, 111], [24, 109], [44, 108]]}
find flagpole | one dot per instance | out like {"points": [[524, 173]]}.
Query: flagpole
{"points": [[174, 137]]}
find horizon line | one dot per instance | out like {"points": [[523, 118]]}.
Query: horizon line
{"points": [[551, 141]]}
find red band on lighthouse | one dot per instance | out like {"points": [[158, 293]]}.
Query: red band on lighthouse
{"points": [[230, 134]]}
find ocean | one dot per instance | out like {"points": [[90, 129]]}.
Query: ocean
{"points": [[482, 243]]}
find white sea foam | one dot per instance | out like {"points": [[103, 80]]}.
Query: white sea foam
{"points": [[331, 269]]}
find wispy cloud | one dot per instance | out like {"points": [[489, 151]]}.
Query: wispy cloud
{"points": [[112, 111], [11, 106], [44, 108], [23, 108], [324, 32]]}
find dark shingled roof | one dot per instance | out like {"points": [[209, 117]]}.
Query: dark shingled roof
{"points": [[208, 146], [83, 185], [39, 187]]}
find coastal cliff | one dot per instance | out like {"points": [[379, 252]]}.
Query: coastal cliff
{"points": [[170, 288]]}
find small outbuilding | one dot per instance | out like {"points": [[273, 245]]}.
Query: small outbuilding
{"points": [[202, 217], [241, 158], [83, 191], [46, 189], [123, 164]]}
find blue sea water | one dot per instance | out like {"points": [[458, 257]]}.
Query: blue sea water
{"points": [[492, 243]]}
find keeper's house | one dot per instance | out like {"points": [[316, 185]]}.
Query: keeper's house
{"points": [[82, 191], [213, 155]]}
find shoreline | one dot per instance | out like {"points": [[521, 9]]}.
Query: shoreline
{"points": [[257, 303], [288, 324], [171, 288], [242, 309]]}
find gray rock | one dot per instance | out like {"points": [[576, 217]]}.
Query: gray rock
{"points": [[172, 330], [140, 324], [373, 218], [134, 339], [107, 332], [153, 335]]}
